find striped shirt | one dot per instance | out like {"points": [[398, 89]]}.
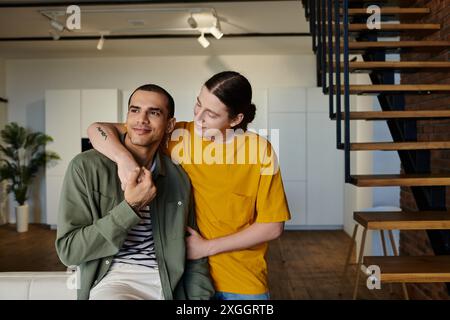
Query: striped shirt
{"points": [[139, 247]]}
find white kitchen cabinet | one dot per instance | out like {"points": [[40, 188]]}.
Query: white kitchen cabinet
{"points": [[125, 96], [325, 173], [291, 99], [68, 113], [184, 104], [311, 167], [98, 105], [296, 195], [53, 191], [292, 144], [62, 123]]}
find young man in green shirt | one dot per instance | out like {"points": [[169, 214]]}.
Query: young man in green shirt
{"points": [[131, 244]]}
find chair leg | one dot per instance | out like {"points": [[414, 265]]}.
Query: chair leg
{"points": [[347, 260], [395, 251], [359, 264]]}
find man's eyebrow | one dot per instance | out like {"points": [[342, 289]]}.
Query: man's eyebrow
{"points": [[198, 101], [155, 109], [151, 108]]}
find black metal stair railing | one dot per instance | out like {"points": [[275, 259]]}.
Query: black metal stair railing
{"points": [[320, 15]]}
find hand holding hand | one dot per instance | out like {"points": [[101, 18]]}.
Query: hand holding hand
{"points": [[138, 194]]}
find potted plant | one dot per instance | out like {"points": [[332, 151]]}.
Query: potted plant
{"points": [[21, 156]]}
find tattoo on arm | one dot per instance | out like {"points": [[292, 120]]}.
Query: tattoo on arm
{"points": [[103, 133]]}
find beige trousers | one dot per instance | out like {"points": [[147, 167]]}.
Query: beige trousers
{"points": [[128, 282]]}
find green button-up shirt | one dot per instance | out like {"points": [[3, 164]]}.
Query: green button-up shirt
{"points": [[94, 220]]}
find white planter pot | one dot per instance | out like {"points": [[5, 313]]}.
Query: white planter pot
{"points": [[22, 218]]}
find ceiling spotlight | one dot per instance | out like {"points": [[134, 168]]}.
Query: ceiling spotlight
{"points": [[56, 25], [203, 41], [100, 43], [192, 22], [216, 32], [55, 35]]}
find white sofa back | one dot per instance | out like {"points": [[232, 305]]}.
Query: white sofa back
{"points": [[37, 286]]}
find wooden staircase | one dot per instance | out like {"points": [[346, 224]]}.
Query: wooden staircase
{"points": [[331, 69]]}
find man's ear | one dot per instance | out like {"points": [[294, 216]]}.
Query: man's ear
{"points": [[238, 119], [171, 125]]}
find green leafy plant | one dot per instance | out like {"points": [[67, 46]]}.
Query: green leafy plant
{"points": [[22, 154]]}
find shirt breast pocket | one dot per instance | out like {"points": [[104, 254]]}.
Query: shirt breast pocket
{"points": [[240, 210]]}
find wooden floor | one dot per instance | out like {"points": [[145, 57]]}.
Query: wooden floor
{"points": [[302, 264], [309, 264], [28, 251]]}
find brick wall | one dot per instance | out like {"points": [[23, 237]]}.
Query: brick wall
{"points": [[417, 242]]}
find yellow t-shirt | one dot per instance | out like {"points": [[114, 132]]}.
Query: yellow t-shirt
{"points": [[234, 184]]}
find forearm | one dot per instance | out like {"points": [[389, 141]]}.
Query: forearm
{"points": [[254, 235], [79, 244], [105, 139], [83, 232]]}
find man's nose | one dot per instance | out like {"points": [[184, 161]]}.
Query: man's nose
{"points": [[143, 117]]}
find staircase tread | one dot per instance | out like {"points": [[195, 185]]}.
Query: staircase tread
{"points": [[401, 1], [409, 145], [384, 180], [355, 65], [395, 27], [403, 220], [406, 2], [384, 115], [390, 10], [395, 45], [369, 88], [411, 268]]}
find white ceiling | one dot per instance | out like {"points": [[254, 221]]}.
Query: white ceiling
{"points": [[235, 18]]}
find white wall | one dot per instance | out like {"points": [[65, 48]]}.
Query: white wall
{"points": [[27, 81]]}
